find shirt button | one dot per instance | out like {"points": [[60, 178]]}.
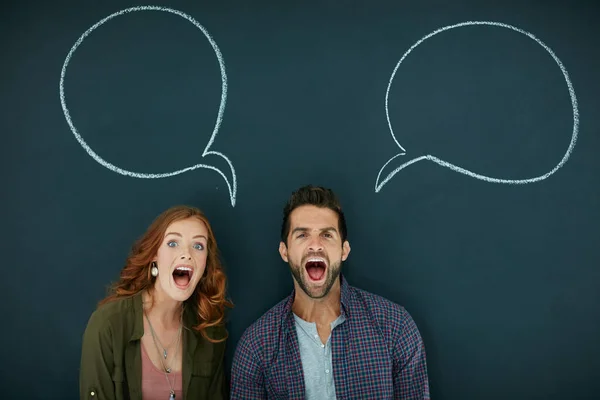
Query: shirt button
{"points": [[326, 371], [92, 393], [322, 345]]}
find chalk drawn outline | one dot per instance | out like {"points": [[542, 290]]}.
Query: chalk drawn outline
{"points": [[233, 186], [379, 184]]}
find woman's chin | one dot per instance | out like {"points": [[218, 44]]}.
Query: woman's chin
{"points": [[176, 292], [181, 292]]}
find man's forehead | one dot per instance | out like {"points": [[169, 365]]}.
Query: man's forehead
{"points": [[313, 217]]}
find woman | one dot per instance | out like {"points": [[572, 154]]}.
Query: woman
{"points": [[160, 334]]}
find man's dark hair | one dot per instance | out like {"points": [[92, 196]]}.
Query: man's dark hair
{"points": [[315, 196]]}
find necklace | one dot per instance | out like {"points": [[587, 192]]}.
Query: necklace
{"points": [[165, 353], [166, 370]]}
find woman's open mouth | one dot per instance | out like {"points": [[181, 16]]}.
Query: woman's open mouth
{"points": [[182, 276]]}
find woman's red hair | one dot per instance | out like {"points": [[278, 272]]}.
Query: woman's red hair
{"points": [[208, 300]]}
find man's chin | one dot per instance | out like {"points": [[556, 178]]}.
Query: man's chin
{"points": [[317, 295], [316, 290]]}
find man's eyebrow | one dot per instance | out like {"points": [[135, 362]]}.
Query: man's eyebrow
{"points": [[329, 228], [326, 229]]}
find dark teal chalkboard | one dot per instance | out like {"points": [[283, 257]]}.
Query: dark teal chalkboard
{"points": [[487, 229]]}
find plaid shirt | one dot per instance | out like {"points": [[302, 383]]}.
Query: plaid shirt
{"points": [[377, 353]]}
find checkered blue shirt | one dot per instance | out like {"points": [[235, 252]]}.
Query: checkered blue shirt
{"points": [[377, 353]]}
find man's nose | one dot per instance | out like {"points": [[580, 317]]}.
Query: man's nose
{"points": [[315, 245]]}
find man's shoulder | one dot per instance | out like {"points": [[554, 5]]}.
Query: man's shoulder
{"points": [[383, 310], [267, 326]]}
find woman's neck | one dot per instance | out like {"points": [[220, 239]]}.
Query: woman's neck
{"points": [[164, 310]]}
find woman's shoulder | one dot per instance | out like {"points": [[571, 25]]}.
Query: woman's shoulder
{"points": [[112, 314], [217, 332], [192, 321]]}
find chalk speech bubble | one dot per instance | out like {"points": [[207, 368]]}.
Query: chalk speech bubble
{"points": [[379, 183], [231, 186]]}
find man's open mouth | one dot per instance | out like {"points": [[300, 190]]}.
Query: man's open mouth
{"points": [[315, 268], [182, 276]]}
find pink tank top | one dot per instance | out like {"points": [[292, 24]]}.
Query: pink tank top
{"points": [[154, 383]]}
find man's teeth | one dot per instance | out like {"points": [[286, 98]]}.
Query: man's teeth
{"points": [[316, 260]]}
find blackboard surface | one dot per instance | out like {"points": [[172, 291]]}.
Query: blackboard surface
{"points": [[487, 229]]}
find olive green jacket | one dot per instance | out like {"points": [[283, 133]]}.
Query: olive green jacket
{"points": [[111, 363]]}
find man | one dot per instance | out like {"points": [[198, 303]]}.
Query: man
{"points": [[327, 340]]}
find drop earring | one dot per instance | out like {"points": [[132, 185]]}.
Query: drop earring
{"points": [[154, 269]]}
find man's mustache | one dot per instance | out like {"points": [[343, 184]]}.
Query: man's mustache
{"points": [[315, 254]]}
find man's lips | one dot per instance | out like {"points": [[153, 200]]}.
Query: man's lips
{"points": [[315, 268], [316, 260]]}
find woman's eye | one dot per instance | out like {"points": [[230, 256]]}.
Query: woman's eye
{"points": [[171, 243], [199, 246]]}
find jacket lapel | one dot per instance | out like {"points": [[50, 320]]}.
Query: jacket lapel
{"points": [[189, 347], [133, 358]]}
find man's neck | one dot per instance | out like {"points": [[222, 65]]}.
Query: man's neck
{"points": [[321, 311], [163, 309]]}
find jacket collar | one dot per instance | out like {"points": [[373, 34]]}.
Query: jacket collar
{"points": [[138, 317], [189, 318]]}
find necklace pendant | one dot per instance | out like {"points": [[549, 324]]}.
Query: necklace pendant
{"points": [[165, 354], [172, 396]]}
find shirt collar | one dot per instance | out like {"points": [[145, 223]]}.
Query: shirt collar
{"points": [[345, 299], [345, 296]]}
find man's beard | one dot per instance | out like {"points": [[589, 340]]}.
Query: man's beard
{"points": [[333, 271]]}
